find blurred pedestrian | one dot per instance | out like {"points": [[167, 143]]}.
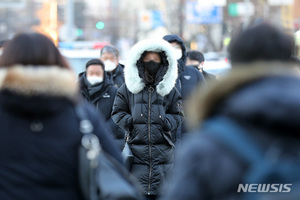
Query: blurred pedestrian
{"points": [[2, 43], [261, 42], [39, 129], [115, 71], [196, 60], [97, 89], [189, 78], [149, 107], [246, 125]]}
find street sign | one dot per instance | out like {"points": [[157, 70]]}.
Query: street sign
{"points": [[157, 19], [145, 21], [199, 14], [213, 2], [150, 19], [241, 9]]}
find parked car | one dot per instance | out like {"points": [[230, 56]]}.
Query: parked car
{"points": [[216, 63], [77, 58]]}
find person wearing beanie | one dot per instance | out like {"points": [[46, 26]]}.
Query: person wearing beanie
{"points": [[96, 88], [196, 60]]}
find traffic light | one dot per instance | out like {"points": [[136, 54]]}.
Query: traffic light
{"points": [[79, 32], [100, 25]]}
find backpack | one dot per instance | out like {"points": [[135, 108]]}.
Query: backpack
{"points": [[267, 177]]}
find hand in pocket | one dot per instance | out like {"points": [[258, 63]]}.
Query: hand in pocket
{"points": [[166, 125]]}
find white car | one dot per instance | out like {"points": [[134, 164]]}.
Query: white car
{"points": [[77, 58], [216, 63]]}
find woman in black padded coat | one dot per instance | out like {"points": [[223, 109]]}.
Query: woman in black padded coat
{"points": [[149, 107]]}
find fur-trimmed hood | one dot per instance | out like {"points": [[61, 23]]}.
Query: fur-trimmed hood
{"points": [[266, 92], [134, 82], [43, 80]]}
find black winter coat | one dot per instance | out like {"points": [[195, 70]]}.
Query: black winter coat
{"points": [[103, 101], [207, 169], [149, 114], [209, 77], [40, 134], [117, 76], [188, 79]]}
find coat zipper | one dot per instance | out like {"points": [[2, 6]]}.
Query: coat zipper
{"points": [[149, 138]]}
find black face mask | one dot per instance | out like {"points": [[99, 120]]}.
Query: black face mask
{"points": [[152, 67]]}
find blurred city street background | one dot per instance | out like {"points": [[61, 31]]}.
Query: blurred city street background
{"points": [[81, 27]]}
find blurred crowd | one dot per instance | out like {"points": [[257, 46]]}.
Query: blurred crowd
{"points": [[191, 135]]}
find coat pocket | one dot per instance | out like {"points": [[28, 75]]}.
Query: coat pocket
{"points": [[168, 137]]}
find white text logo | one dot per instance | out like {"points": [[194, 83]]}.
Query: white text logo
{"points": [[264, 187]]}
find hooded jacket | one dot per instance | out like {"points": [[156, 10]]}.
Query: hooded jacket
{"points": [[103, 100], [40, 133], [266, 103], [182, 60], [188, 79], [149, 114]]}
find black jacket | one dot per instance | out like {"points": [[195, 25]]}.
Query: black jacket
{"points": [[40, 134], [181, 62], [209, 77], [117, 76], [209, 170], [188, 78], [103, 101], [149, 114]]}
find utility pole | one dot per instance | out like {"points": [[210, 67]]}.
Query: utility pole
{"points": [[114, 20], [181, 17], [70, 20], [247, 14]]}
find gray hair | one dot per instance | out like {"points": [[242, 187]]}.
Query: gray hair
{"points": [[110, 49]]}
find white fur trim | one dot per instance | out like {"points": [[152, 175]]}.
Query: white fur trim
{"points": [[134, 83], [49, 81]]}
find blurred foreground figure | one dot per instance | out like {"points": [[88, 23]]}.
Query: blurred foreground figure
{"points": [[247, 143], [39, 128]]}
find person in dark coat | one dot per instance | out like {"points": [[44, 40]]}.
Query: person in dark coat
{"points": [[39, 128], [115, 71], [149, 107], [261, 97], [196, 60], [189, 78], [96, 88]]}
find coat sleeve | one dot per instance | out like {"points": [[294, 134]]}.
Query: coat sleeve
{"points": [[121, 113], [174, 113], [201, 80]]}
